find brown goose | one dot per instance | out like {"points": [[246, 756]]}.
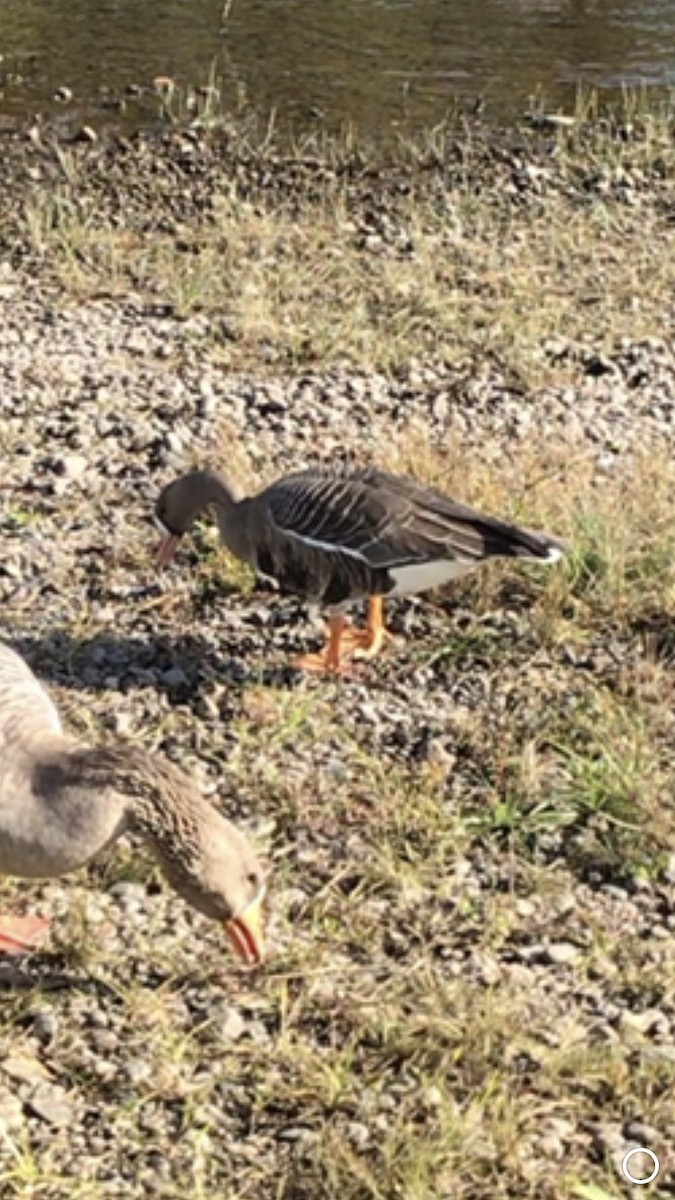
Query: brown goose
{"points": [[336, 536], [62, 802]]}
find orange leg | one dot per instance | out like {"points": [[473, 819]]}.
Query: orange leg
{"points": [[368, 642], [330, 658], [20, 934]]}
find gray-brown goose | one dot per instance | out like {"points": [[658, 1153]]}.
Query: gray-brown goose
{"points": [[336, 536], [61, 802]]}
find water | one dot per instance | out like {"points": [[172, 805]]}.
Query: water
{"points": [[376, 64]]}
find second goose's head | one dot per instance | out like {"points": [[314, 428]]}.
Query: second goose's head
{"points": [[205, 858]]}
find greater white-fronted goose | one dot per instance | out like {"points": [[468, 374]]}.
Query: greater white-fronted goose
{"points": [[336, 536], [61, 802]]}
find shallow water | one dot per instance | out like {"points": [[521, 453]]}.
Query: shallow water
{"points": [[377, 64]]}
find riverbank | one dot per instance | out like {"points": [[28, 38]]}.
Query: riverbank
{"points": [[470, 986]]}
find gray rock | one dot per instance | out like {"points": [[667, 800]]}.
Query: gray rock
{"points": [[137, 1070], [50, 1103], [45, 1024]]}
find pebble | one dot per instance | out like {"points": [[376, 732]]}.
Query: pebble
{"points": [[45, 1024], [295, 1133], [12, 1118], [359, 1134], [73, 466], [24, 1069], [641, 1133], [174, 677], [86, 133], [137, 1070], [561, 953], [233, 1025], [647, 1021], [50, 1102]]}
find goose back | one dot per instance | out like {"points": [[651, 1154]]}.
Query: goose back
{"points": [[27, 712], [47, 828], [341, 535]]}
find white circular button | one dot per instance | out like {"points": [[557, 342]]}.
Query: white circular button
{"points": [[650, 1154]]}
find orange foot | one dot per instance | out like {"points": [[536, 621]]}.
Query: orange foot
{"points": [[323, 664], [329, 660], [20, 934], [367, 643]]}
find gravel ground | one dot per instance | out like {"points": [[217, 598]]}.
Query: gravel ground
{"points": [[135, 1057]]}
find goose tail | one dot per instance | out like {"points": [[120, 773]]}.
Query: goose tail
{"points": [[540, 547]]}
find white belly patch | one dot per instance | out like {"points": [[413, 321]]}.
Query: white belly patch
{"points": [[422, 577]]}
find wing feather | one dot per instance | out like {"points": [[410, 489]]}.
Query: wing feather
{"points": [[388, 521]]}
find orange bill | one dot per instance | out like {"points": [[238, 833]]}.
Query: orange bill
{"points": [[20, 934], [246, 932]]}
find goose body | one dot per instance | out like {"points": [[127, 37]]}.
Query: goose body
{"points": [[336, 536], [62, 802]]}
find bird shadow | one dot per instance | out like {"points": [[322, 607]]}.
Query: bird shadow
{"points": [[45, 972], [180, 666]]}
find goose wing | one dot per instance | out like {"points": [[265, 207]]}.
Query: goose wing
{"points": [[388, 521]]}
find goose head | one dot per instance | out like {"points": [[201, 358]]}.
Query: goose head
{"points": [[181, 502]]}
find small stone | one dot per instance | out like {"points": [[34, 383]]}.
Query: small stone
{"points": [[233, 1025], [122, 723], [24, 1069], [438, 755], [73, 466], [640, 1165], [608, 1137], [10, 976], [359, 1134], [551, 1146], [50, 1102], [12, 1117], [440, 408], [130, 896], [87, 134], [336, 769], [105, 1042], [641, 1133], [369, 713], [45, 1024], [294, 1133], [554, 121], [137, 1070], [174, 677], [647, 1021], [63, 94], [561, 953]]}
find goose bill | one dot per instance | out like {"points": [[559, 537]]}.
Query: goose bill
{"points": [[20, 934], [167, 548], [246, 933]]}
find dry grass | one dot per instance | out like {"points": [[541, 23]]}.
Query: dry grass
{"points": [[558, 239], [315, 289]]}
